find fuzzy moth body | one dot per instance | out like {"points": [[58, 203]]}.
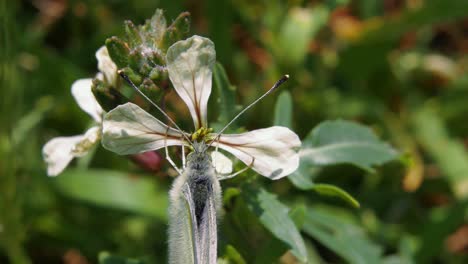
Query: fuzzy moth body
{"points": [[195, 199]]}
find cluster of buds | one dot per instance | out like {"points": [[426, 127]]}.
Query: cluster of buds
{"points": [[141, 55]]}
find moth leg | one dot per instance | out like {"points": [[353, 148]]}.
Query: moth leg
{"points": [[228, 176], [168, 158], [183, 157]]}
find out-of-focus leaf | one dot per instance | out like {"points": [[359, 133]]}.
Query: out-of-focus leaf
{"points": [[232, 256], [275, 217], [332, 4], [335, 191], [338, 142], [438, 226], [226, 94], [374, 44], [297, 214], [29, 121], [283, 110], [303, 177], [106, 258], [341, 236], [449, 153], [297, 31], [396, 259], [114, 189]]}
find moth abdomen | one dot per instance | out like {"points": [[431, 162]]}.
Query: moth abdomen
{"points": [[201, 188]]}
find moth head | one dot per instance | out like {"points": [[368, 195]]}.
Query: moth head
{"points": [[199, 153]]}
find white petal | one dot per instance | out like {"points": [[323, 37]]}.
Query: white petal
{"points": [[190, 63], [106, 66], [58, 153], [273, 149], [89, 140], [222, 164], [81, 90], [128, 129]]}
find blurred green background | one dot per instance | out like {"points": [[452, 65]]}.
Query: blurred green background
{"points": [[398, 66]]}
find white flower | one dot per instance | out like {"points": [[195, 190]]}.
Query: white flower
{"points": [[128, 129], [58, 152]]}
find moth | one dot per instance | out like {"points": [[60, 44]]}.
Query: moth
{"points": [[195, 197]]}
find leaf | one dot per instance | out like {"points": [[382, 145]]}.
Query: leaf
{"points": [[275, 217], [299, 27], [341, 236], [232, 256], [226, 94], [440, 224], [303, 177], [449, 154], [374, 44], [283, 110], [27, 123], [114, 189], [334, 191], [106, 258], [339, 142]]}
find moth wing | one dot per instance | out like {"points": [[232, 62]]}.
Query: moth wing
{"points": [[128, 129], [183, 238], [208, 231]]}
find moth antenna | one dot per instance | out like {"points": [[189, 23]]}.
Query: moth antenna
{"points": [[127, 79], [276, 85]]}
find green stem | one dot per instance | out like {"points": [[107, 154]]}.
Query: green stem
{"points": [[12, 232]]}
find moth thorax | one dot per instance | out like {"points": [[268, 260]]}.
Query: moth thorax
{"points": [[199, 159]]}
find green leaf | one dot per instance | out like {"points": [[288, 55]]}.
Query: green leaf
{"points": [[449, 154], [283, 110], [341, 236], [232, 256], [297, 214], [339, 142], [439, 224], [303, 177], [374, 44], [226, 94], [116, 190], [275, 217], [334, 191], [106, 258], [26, 124], [299, 27]]}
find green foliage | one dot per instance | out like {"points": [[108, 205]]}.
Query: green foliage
{"points": [[337, 142], [225, 94], [283, 110], [342, 236], [106, 258], [114, 189], [274, 216]]}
